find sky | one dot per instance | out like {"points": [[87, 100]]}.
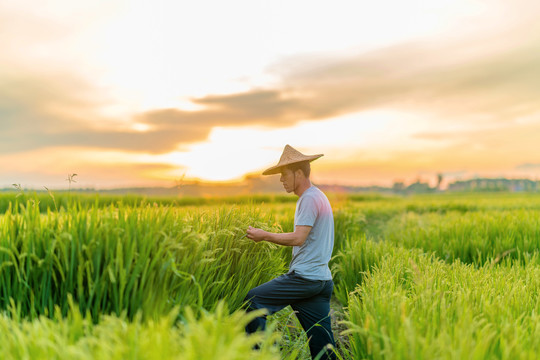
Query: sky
{"points": [[144, 93]]}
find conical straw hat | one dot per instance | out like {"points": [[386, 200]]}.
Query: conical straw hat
{"points": [[290, 156]]}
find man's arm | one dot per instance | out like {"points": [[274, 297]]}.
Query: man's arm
{"points": [[296, 238]]}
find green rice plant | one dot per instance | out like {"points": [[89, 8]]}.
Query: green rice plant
{"points": [[218, 263], [355, 219], [414, 306], [293, 340], [347, 223], [117, 259], [128, 261], [351, 264], [219, 335], [61, 199], [478, 237], [469, 202], [210, 335]]}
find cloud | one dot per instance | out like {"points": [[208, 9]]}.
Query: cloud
{"points": [[499, 83], [479, 80], [266, 107], [42, 112], [528, 166], [61, 109], [460, 82]]}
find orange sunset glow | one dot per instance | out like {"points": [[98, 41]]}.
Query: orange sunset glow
{"points": [[144, 93]]}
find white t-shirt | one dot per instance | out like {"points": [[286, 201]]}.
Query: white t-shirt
{"points": [[310, 260]]}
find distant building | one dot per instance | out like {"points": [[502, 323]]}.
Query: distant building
{"points": [[419, 187], [498, 184]]}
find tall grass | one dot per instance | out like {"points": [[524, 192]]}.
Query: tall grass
{"points": [[441, 277], [414, 306], [122, 258], [61, 200], [208, 336], [476, 237], [421, 277], [354, 261]]}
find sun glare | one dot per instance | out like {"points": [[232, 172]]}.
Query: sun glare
{"points": [[232, 152], [222, 158]]}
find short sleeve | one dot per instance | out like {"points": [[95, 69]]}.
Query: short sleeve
{"points": [[307, 212]]}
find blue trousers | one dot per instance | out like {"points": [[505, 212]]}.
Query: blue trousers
{"points": [[310, 300]]}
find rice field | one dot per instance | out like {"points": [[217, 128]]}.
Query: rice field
{"points": [[425, 277]]}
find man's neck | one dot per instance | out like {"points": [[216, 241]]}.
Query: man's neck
{"points": [[302, 187]]}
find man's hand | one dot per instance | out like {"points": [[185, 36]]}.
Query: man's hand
{"points": [[255, 234], [296, 238]]}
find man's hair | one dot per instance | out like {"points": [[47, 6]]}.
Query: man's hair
{"points": [[302, 165]]}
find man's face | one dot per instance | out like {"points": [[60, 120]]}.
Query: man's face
{"points": [[287, 178]]}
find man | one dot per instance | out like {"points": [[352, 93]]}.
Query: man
{"points": [[308, 286]]}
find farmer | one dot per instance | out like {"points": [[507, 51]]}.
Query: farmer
{"points": [[308, 285]]}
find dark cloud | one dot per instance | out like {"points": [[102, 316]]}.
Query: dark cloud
{"points": [[28, 124], [262, 107], [28, 102], [60, 110]]}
